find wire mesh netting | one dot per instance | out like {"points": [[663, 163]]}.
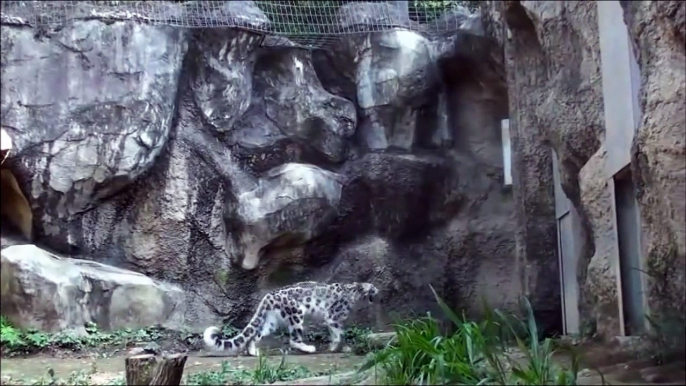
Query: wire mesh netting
{"points": [[295, 22]]}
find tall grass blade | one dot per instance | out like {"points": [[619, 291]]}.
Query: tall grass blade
{"points": [[445, 308]]}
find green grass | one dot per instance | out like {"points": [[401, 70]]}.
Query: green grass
{"points": [[263, 373], [471, 353]]}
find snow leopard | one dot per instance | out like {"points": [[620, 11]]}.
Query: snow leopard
{"points": [[288, 306]]}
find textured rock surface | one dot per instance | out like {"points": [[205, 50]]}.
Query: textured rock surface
{"points": [[378, 161], [89, 108], [658, 30], [533, 74], [552, 56], [291, 205], [49, 293]]}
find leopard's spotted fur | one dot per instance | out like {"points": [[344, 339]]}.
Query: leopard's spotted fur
{"points": [[288, 306]]}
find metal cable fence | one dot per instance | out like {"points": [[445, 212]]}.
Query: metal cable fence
{"points": [[310, 24]]}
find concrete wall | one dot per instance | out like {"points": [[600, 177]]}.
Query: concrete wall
{"points": [[568, 95], [621, 84], [620, 89]]}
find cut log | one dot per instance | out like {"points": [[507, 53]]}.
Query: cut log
{"points": [[139, 369], [146, 369], [169, 371]]}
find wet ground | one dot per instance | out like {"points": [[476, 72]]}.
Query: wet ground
{"points": [[617, 368], [111, 368]]}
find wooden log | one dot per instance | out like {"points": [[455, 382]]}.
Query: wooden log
{"points": [[139, 369], [169, 371]]}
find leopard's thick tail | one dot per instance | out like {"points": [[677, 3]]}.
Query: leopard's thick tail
{"points": [[213, 335]]}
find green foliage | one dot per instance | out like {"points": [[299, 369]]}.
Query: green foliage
{"points": [[267, 373], [221, 276], [304, 17], [264, 373], [472, 354], [34, 338], [666, 335], [10, 336], [15, 341], [223, 376], [76, 378], [427, 10], [357, 338], [230, 331], [301, 17]]}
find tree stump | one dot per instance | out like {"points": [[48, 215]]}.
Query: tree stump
{"points": [[169, 371], [139, 369], [147, 369]]}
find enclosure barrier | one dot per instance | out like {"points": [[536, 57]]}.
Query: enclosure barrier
{"points": [[310, 24]]}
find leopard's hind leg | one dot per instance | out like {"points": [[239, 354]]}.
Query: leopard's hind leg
{"points": [[295, 328], [335, 333], [336, 316], [265, 325]]}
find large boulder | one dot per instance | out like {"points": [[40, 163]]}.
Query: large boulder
{"points": [[90, 107], [51, 293], [291, 110], [292, 204], [394, 77]]}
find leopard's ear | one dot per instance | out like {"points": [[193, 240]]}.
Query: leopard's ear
{"points": [[359, 287]]}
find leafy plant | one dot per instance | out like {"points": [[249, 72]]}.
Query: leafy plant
{"points": [[10, 336], [427, 10], [358, 339], [267, 373], [472, 354], [539, 368], [37, 339], [14, 340], [264, 373], [229, 330], [221, 377]]}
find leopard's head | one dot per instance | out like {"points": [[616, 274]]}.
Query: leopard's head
{"points": [[369, 291]]}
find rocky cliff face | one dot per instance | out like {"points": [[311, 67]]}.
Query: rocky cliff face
{"points": [[201, 158], [552, 57]]}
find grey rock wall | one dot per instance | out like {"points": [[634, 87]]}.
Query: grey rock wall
{"points": [[203, 159]]}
